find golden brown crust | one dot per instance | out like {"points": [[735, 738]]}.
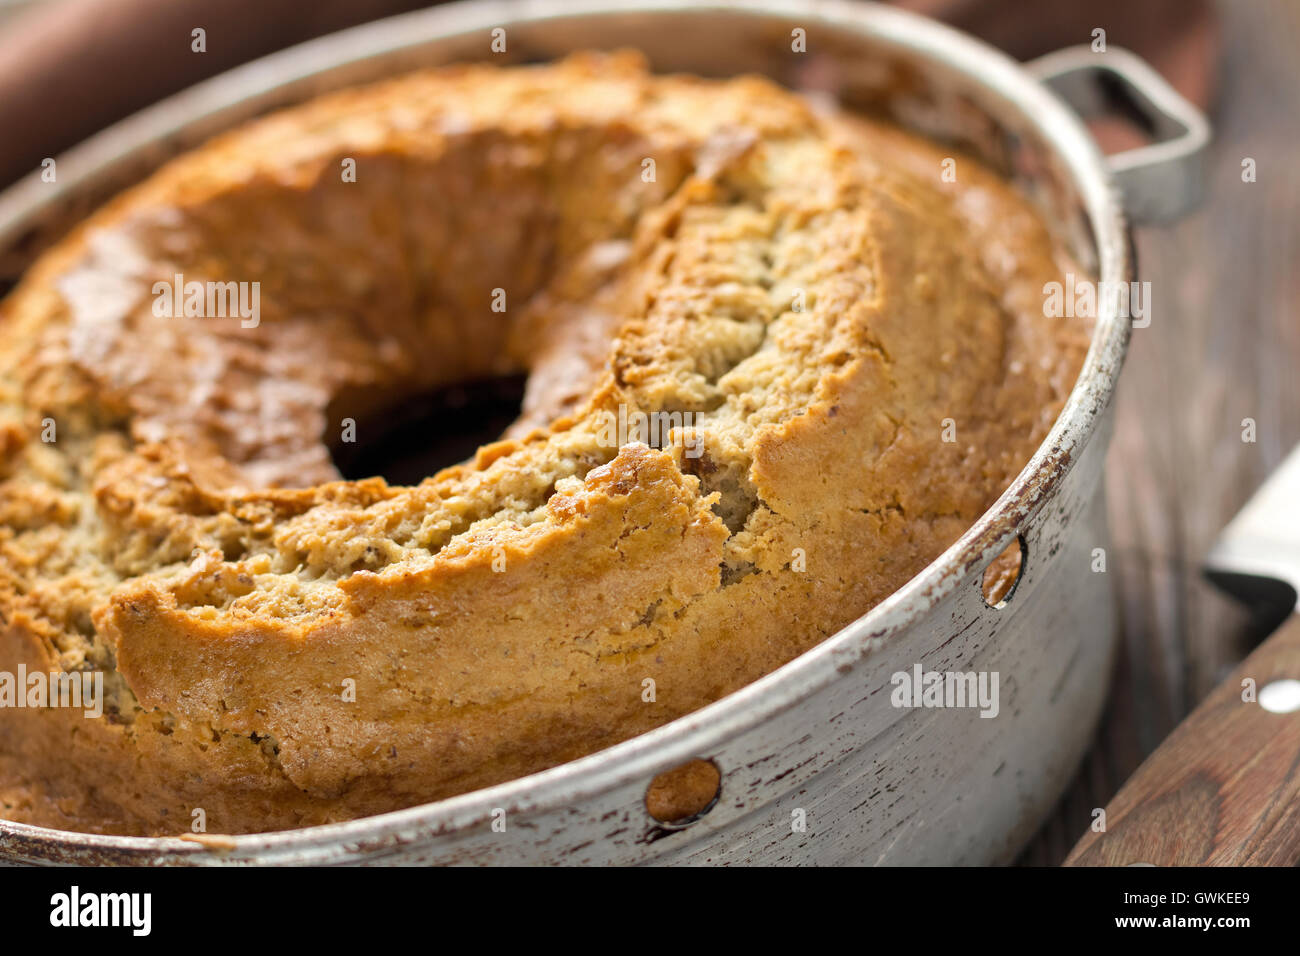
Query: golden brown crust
{"points": [[282, 648]]}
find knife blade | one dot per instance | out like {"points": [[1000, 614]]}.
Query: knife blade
{"points": [[1224, 788]]}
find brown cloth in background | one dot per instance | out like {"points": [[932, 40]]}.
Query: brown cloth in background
{"points": [[71, 67]]}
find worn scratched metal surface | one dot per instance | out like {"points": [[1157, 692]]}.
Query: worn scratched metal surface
{"points": [[875, 784]]}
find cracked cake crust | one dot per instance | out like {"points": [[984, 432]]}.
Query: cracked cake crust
{"points": [[800, 282]]}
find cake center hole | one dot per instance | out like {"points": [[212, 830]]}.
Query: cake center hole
{"points": [[407, 443]]}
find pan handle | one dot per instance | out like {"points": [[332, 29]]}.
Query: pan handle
{"points": [[1158, 182]]}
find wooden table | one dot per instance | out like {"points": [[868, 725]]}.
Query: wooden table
{"points": [[1223, 345]]}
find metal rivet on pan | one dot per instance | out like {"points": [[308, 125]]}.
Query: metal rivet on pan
{"points": [[680, 796], [1280, 696], [1003, 574]]}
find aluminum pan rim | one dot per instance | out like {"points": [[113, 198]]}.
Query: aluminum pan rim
{"points": [[705, 730]]}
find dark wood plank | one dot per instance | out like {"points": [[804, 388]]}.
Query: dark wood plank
{"points": [[1223, 345]]}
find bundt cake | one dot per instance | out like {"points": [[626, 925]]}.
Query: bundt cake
{"points": [[776, 363]]}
